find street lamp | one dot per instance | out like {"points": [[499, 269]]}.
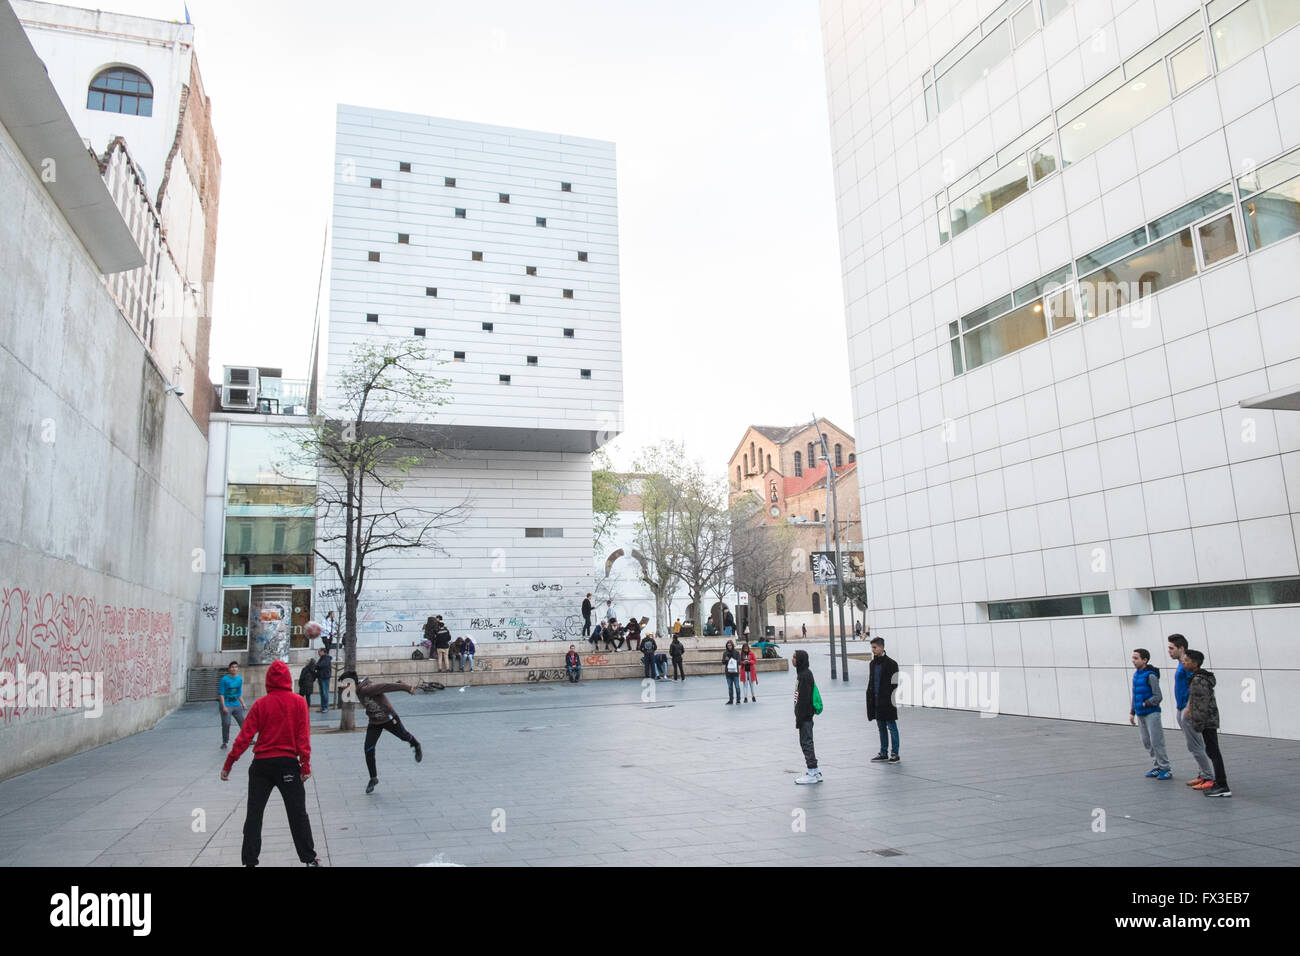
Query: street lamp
{"points": [[834, 506]]}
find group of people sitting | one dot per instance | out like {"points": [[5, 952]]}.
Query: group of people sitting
{"points": [[617, 635], [655, 661], [452, 655]]}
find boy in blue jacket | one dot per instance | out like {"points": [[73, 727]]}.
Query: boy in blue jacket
{"points": [[1145, 712]]}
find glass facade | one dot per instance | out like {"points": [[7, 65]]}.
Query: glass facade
{"points": [[270, 530], [1245, 594], [1075, 606]]}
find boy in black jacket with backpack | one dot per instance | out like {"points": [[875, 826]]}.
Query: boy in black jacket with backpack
{"points": [[804, 689]]}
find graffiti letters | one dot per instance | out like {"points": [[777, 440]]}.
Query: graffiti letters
{"points": [[547, 674], [516, 662], [596, 660]]}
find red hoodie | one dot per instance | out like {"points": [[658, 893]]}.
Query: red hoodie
{"points": [[278, 720]]}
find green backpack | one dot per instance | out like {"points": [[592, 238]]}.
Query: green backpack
{"points": [[817, 700]]}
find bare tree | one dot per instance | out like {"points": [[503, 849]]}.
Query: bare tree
{"points": [[700, 554], [656, 528], [763, 557], [378, 431]]}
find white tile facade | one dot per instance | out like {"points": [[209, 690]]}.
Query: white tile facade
{"points": [[1112, 455], [519, 453]]}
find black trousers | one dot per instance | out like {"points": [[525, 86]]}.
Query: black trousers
{"points": [[806, 744], [395, 728], [678, 669], [586, 625], [283, 774], [1216, 756]]}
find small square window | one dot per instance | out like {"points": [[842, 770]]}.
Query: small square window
{"points": [[503, 197], [568, 293], [374, 257], [568, 333], [541, 220], [504, 379], [372, 316], [552, 532], [449, 180], [514, 298], [566, 187], [532, 532], [404, 238], [376, 183], [530, 270], [582, 257], [460, 213], [403, 167], [431, 291], [420, 333], [458, 356], [476, 256], [585, 372], [487, 326], [532, 360]]}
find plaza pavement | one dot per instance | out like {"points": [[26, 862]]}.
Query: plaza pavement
{"points": [[591, 775]]}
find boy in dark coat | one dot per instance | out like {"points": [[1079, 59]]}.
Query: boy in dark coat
{"points": [[803, 716], [374, 697], [307, 680], [1203, 715], [880, 699]]}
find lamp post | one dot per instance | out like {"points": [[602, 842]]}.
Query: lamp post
{"points": [[834, 506], [830, 608]]}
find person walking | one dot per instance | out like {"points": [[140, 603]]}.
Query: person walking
{"points": [[748, 673], [648, 648], [805, 689], [731, 667], [1203, 715], [323, 665], [306, 681], [573, 665], [374, 697], [1145, 712], [230, 696], [675, 650], [467, 652], [728, 622], [881, 680], [586, 616], [281, 761], [1204, 780], [803, 628]]}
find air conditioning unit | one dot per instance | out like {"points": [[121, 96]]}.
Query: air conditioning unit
{"points": [[239, 388]]}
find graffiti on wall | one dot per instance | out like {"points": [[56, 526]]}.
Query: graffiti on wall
{"points": [[48, 633]]}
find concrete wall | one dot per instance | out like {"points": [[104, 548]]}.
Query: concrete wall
{"points": [[103, 476]]}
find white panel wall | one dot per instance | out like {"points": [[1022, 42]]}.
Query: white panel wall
{"points": [[1121, 438], [485, 161], [491, 582]]}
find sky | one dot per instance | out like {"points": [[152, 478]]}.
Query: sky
{"points": [[731, 295]]}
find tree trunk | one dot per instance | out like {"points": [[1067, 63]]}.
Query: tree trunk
{"points": [[347, 710]]}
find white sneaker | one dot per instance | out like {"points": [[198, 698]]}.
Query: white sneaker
{"points": [[809, 776]]}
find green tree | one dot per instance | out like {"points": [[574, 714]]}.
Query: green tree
{"points": [[606, 493]]}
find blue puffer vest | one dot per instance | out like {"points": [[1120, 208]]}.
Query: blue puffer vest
{"points": [[1142, 691]]}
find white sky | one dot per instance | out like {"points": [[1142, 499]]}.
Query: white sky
{"points": [[732, 303]]}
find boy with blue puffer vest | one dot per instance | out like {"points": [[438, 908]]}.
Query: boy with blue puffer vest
{"points": [[1145, 712]]}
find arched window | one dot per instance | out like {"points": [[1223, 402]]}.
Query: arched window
{"points": [[769, 462], [798, 465], [753, 456], [839, 457], [737, 474], [121, 89], [852, 458], [774, 494], [812, 456], [817, 603], [817, 515]]}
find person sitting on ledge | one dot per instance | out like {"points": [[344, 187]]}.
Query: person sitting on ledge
{"points": [[597, 634], [573, 665]]}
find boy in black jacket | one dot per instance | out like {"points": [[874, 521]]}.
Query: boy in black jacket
{"points": [[1203, 715], [803, 716]]}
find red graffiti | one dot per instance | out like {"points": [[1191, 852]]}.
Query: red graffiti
{"points": [[131, 647], [595, 660]]}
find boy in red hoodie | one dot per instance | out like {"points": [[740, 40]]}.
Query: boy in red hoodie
{"points": [[281, 760]]}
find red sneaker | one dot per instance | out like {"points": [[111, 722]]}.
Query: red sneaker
{"points": [[1204, 785]]}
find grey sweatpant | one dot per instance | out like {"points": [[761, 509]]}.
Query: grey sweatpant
{"points": [[806, 744], [1196, 747], [1153, 738]]}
